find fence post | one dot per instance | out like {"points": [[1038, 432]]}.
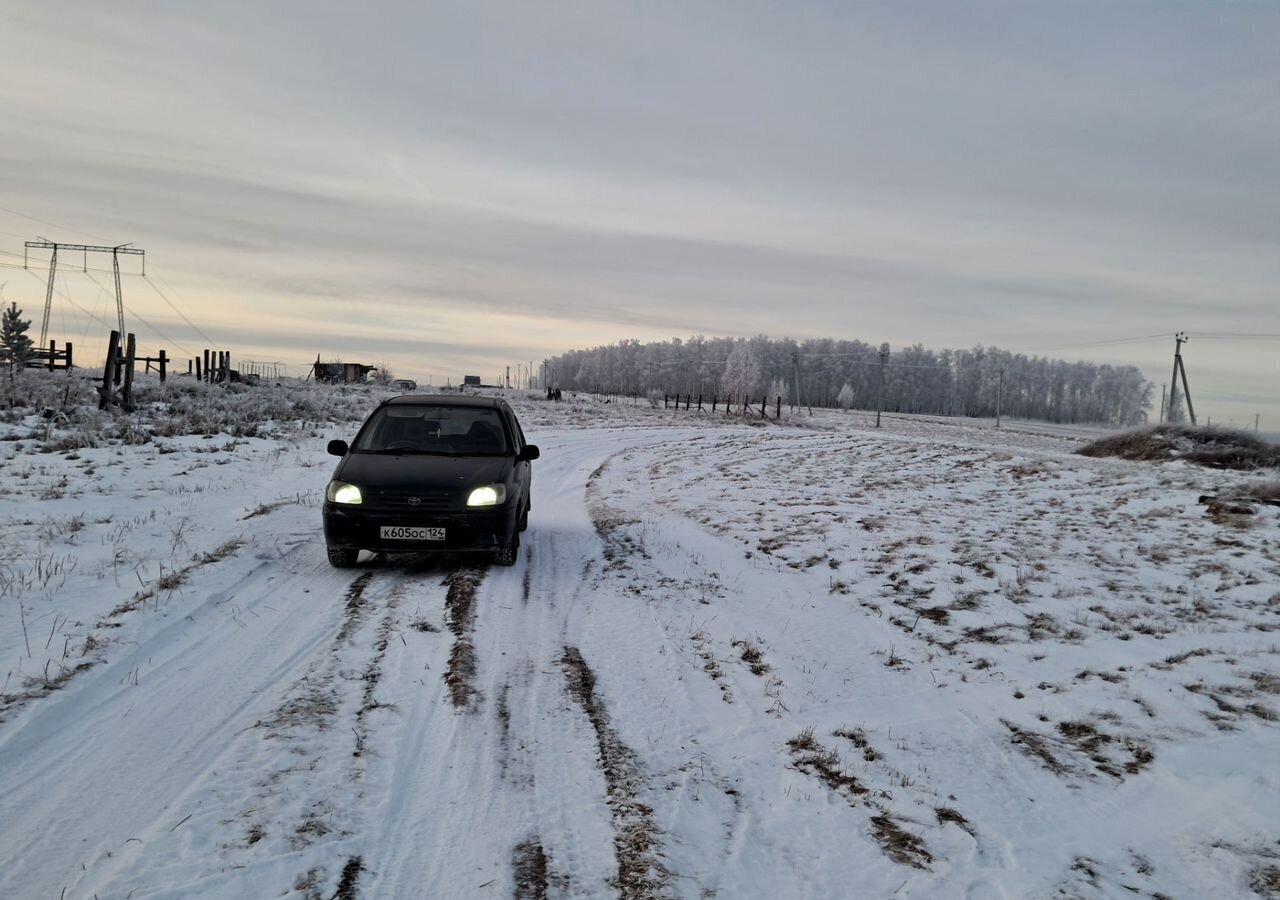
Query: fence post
{"points": [[130, 352], [164, 359], [699, 403], [109, 370], [664, 401], [714, 398], [763, 400], [199, 373], [53, 353], [688, 398], [226, 369], [68, 356], [206, 365], [778, 415]]}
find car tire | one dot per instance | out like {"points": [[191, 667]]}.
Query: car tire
{"points": [[507, 556], [342, 558]]}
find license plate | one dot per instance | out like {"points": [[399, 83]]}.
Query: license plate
{"points": [[411, 533]]}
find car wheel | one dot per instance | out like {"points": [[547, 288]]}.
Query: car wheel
{"points": [[507, 556], [342, 558]]}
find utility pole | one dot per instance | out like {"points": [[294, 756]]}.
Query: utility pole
{"points": [[1163, 389], [1178, 368], [1256, 417], [795, 362], [999, 397], [884, 359], [508, 381], [86, 249]]}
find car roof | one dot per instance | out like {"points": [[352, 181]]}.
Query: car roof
{"points": [[445, 400]]}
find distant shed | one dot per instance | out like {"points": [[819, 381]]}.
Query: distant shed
{"points": [[340, 372]]}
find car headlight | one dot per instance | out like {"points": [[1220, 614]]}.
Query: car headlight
{"points": [[341, 492], [488, 495]]}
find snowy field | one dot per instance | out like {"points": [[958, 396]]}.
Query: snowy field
{"points": [[735, 660]]}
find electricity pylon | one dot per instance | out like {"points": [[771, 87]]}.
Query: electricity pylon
{"points": [[86, 249]]}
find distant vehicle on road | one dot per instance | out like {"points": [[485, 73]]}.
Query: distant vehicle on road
{"points": [[404, 384], [431, 473]]}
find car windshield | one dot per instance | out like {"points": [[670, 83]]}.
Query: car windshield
{"points": [[444, 430]]}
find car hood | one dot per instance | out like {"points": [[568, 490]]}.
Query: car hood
{"points": [[418, 472]]}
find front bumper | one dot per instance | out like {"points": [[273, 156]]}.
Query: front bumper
{"points": [[359, 528]]}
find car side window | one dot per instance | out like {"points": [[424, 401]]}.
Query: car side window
{"points": [[514, 424]]}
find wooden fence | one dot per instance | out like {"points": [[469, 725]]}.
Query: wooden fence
{"points": [[748, 405], [51, 359]]}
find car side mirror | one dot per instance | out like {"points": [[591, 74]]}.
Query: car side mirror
{"points": [[338, 448], [529, 453]]}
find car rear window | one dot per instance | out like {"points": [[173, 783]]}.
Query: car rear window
{"points": [[449, 430]]}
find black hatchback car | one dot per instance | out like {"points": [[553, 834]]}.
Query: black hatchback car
{"points": [[430, 473]]}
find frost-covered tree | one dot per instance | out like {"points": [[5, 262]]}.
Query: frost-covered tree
{"points": [[846, 397], [962, 382], [382, 375], [779, 388], [15, 346], [741, 371]]}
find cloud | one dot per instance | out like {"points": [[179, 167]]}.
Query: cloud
{"points": [[577, 174]]}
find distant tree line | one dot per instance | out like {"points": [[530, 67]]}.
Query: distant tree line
{"points": [[828, 373]]}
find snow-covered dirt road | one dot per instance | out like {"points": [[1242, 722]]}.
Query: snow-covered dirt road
{"points": [[931, 661]]}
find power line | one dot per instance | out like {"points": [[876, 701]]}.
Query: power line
{"points": [[102, 322], [174, 307], [154, 330], [45, 222]]}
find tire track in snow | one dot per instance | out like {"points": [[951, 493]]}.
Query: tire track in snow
{"points": [[460, 676], [637, 841]]}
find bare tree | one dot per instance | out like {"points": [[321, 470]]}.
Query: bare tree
{"points": [[846, 397], [382, 375], [741, 371]]}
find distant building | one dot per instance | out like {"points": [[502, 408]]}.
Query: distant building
{"points": [[340, 372], [471, 381]]}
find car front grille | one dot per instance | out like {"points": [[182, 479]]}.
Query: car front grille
{"points": [[427, 501]]}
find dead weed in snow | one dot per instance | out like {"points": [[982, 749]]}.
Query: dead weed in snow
{"points": [[900, 845], [350, 875], [812, 758], [529, 865], [752, 655], [1079, 744]]}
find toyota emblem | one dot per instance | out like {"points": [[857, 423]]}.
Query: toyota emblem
{"points": [[414, 501]]}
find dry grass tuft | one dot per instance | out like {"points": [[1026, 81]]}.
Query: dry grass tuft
{"points": [[1037, 747], [900, 845], [858, 738], [1267, 492], [350, 875], [812, 758], [947, 814], [1265, 881], [529, 862], [1217, 448], [752, 656]]}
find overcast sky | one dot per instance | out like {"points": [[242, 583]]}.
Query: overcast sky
{"points": [[455, 188]]}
